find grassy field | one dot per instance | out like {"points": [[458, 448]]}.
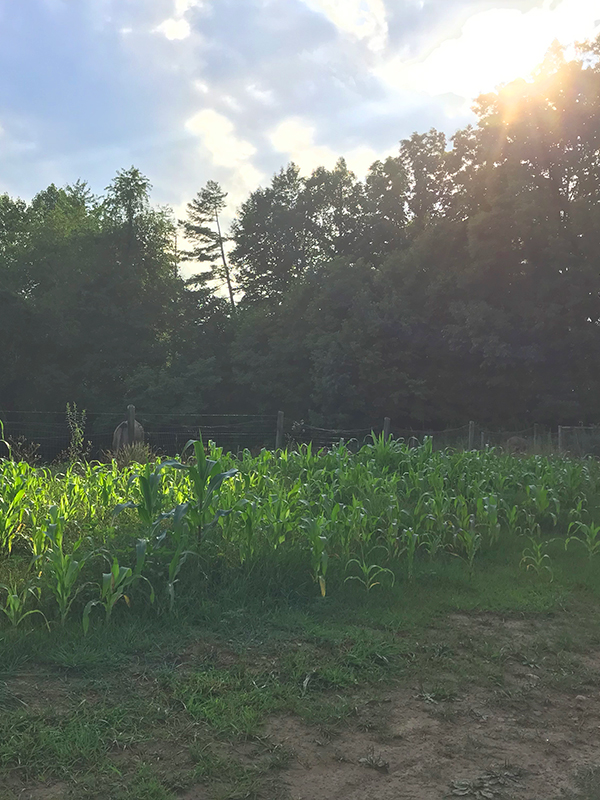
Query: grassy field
{"points": [[392, 623]]}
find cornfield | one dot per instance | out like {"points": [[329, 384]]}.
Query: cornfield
{"points": [[95, 537]]}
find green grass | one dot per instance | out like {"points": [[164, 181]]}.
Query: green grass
{"points": [[199, 688]]}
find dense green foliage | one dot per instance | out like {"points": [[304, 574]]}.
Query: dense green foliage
{"points": [[293, 522], [458, 280]]}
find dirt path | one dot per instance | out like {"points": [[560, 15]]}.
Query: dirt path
{"points": [[486, 708], [531, 734]]}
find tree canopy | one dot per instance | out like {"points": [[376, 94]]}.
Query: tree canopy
{"points": [[459, 280]]}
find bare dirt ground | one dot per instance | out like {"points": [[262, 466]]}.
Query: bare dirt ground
{"points": [[489, 708], [417, 751], [530, 735]]}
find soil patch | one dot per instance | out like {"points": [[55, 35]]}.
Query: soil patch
{"points": [[527, 736]]}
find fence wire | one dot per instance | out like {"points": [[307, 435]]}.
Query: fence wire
{"points": [[46, 435], [579, 441], [166, 434]]}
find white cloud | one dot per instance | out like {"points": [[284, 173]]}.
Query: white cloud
{"points": [[264, 96], [360, 159], [296, 138], [495, 46], [219, 138], [363, 19], [231, 102], [183, 6], [175, 29], [247, 178]]}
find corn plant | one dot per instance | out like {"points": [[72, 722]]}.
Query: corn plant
{"points": [[61, 570], [278, 516], [12, 507], [467, 538], [512, 514], [487, 514], [149, 484], [383, 450], [589, 537], [248, 513], [435, 523], [178, 535], [536, 559], [369, 572], [315, 530], [15, 603], [542, 502], [409, 542], [116, 582], [206, 477]]}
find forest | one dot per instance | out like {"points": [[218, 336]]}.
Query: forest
{"points": [[459, 280]]}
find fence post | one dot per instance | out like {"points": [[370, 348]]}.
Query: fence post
{"points": [[482, 437], [279, 435], [536, 436], [130, 424], [471, 435], [387, 427], [560, 439]]}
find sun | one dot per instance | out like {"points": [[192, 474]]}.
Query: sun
{"points": [[494, 47]]}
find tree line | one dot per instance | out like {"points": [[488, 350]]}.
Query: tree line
{"points": [[459, 280]]}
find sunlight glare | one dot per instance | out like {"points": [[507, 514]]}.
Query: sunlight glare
{"points": [[494, 47]]}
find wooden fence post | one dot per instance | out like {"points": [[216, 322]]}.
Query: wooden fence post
{"points": [[279, 435], [560, 439], [130, 424], [387, 427], [482, 438], [471, 435], [536, 436]]}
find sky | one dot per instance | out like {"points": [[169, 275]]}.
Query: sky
{"points": [[232, 90]]}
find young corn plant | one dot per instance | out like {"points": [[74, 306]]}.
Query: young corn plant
{"points": [[536, 559], [149, 484], [61, 570], [278, 516], [487, 514], [206, 478], [116, 583], [467, 538], [319, 557], [12, 495], [589, 537], [543, 502], [409, 542], [383, 450], [369, 572], [248, 513], [178, 538], [512, 514], [15, 602], [436, 523]]}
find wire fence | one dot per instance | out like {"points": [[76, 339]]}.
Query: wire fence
{"points": [[579, 441], [535, 439], [45, 436]]}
